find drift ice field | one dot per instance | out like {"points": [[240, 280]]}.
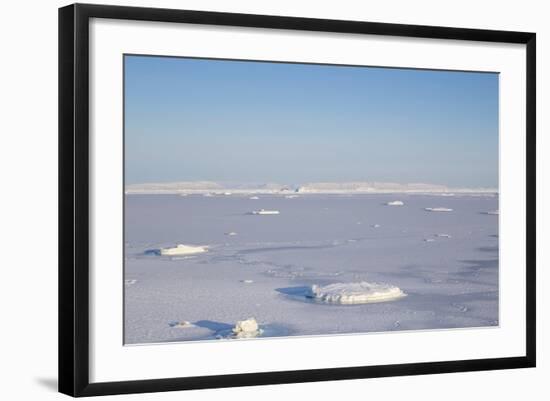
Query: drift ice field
{"points": [[209, 268]]}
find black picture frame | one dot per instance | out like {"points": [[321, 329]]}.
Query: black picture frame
{"points": [[74, 198]]}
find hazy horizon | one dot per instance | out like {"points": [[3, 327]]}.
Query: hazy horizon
{"points": [[259, 122]]}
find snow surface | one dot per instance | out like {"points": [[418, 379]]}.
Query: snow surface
{"points": [[355, 293], [450, 282]]}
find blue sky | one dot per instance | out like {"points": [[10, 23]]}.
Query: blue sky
{"points": [[254, 122]]}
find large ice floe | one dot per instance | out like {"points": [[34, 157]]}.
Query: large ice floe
{"points": [[355, 293], [438, 209], [182, 249], [395, 203]]}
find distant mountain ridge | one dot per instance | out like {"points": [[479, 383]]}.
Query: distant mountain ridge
{"points": [[353, 187], [361, 186]]}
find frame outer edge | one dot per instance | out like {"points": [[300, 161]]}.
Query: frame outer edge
{"points": [[81, 198], [303, 23], [73, 200], [66, 242]]}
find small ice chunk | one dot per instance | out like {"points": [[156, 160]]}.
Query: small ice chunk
{"points": [[291, 196], [438, 209], [395, 203], [375, 226], [460, 307], [130, 281], [254, 198], [355, 293], [429, 240], [184, 324], [227, 193], [493, 212], [443, 235], [247, 281], [246, 328], [264, 212], [182, 249], [231, 233]]}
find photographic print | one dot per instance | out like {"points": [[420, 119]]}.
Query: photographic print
{"points": [[277, 199]]}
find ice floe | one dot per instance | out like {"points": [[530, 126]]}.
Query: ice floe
{"points": [[438, 209], [355, 293], [254, 198], [395, 203], [493, 212], [246, 328], [182, 249], [231, 233], [247, 281], [375, 226], [264, 212]]}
